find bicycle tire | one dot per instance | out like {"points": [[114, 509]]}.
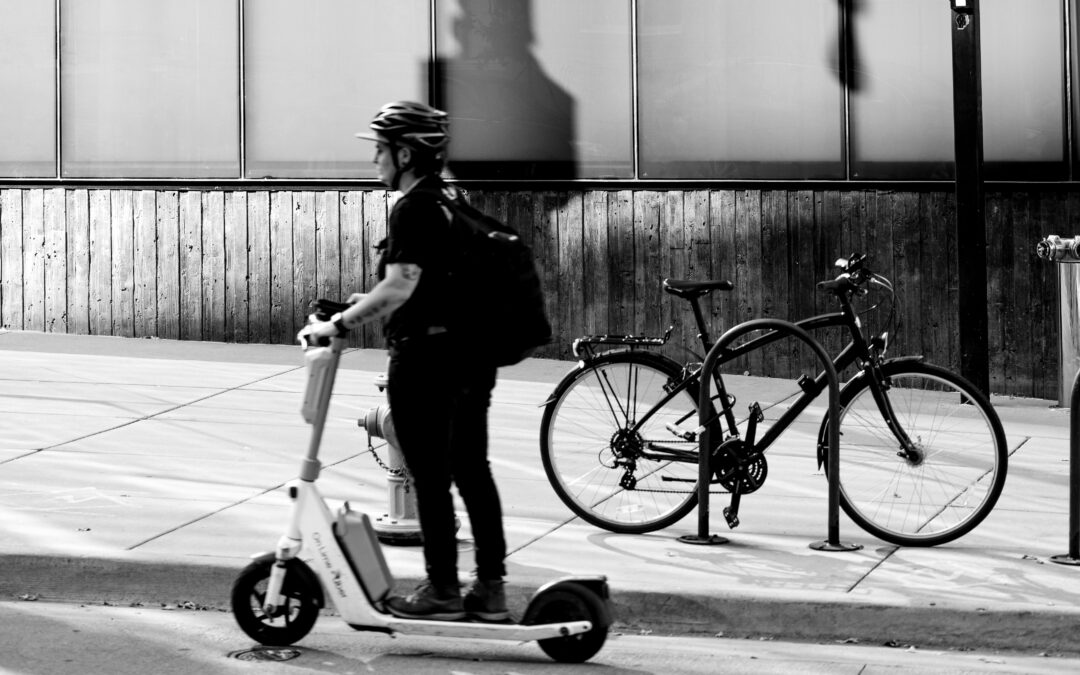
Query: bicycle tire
{"points": [[589, 446], [964, 456]]}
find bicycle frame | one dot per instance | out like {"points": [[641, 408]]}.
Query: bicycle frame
{"points": [[858, 351]]}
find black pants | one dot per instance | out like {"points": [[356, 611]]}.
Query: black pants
{"points": [[439, 401]]}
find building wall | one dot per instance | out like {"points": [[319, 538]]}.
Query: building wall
{"points": [[242, 265]]}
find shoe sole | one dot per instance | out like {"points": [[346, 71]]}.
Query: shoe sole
{"points": [[490, 617]]}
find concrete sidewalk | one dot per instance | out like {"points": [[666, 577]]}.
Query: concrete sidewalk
{"points": [[149, 471]]}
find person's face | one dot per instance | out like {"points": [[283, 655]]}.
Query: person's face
{"points": [[384, 162]]}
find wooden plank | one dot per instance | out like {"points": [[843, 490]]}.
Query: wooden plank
{"points": [[145, 280], [55, 211], [777, 294], [673, 263], [351, 209], [376, 211], [571, 282], [1013, 286], [545, 239], [122, 225], [213, 266], [699, 263], [647, 277], [804, 274], [595, 262], [33, 213], [100, 262], [327, 246], [828, 247], [236, 267], [305, 255], [11, 259], [947, 303], [622, 268], [723, 235], [77, 229], [1044, 324], [189, 248], [748, 268], [282, 320], [259, 273], [168, 264], [908, 267]]}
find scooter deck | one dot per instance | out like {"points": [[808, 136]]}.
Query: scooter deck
{"points": [[480, 630]]}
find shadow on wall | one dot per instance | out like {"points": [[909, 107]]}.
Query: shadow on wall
{"points": [[509, 119]]}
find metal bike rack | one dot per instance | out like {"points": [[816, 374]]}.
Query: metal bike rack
{"points": [[717, 355], [1055, 249]]}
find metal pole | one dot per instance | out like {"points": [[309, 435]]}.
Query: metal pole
{"points": [[970, 216]]}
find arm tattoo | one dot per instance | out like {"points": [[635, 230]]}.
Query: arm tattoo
{"points": [[410, 272], [375, 309]]}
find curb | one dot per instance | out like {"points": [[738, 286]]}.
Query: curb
{"points": [[116, 582]]}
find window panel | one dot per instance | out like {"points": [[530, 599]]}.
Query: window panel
{"points": [[317, 76], [740, 89], [537, 89], [1023, 90], [28, 76], [149, 89], [901, 95]]}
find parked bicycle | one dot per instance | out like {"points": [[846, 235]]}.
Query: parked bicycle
{"points": [[922, 452]]}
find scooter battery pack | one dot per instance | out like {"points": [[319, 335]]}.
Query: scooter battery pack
{"points": [[362, 548]]}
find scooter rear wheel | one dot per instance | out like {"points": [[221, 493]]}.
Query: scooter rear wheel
{"points": [[569, 602], [293, 619]]}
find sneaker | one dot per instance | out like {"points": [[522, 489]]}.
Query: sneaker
{"points": [[428, 602], [486, 600]]}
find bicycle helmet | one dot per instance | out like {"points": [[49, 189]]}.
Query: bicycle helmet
{"points": [[419, 127], [413, 124]]}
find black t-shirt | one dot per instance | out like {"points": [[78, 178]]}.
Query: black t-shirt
{"points": [[418, 233]]}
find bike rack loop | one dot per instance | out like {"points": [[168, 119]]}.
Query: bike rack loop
{"points": [[712, 359]]}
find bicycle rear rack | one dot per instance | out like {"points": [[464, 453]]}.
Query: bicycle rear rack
{"points": [[587, 342]]}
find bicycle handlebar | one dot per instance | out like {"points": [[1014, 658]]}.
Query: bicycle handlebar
{"points": [[854, 276]]}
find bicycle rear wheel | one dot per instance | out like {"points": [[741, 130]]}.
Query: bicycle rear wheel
{"points": [[961, 456], [607, 449]]}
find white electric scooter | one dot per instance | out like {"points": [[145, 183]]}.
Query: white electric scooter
{"points": [[277, 598]]}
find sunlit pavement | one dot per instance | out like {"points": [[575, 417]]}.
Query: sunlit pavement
{"points": [[149, 471]]}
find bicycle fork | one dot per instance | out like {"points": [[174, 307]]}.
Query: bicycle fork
{"points": [[879, 387]]}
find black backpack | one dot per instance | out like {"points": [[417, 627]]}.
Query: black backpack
{"points": [[501, 313]]}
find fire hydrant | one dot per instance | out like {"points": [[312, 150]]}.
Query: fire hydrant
{"points": [[399, 525]]}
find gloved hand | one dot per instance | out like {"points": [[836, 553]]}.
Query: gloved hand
{"points": [[318, 333]]}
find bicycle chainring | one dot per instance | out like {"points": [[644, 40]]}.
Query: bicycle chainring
{"points": [[736, 466]]}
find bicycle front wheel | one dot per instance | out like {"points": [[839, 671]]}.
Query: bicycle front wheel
{"points": [[610, 445], [953, 473]]}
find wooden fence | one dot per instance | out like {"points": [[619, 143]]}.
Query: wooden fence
{"points": [[222, 265]]}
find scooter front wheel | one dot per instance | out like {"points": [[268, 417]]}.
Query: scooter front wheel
{"points": [[293, 619], [569, 601]]}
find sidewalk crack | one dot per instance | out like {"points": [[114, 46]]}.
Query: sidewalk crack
{"points": [[873, 568], [151, 416]]}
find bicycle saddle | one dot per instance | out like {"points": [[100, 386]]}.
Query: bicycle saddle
{"points": [[685, 288]]}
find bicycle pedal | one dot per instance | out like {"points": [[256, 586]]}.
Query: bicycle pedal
{"points": [[731, 518]]}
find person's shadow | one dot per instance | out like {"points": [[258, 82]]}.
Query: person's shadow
{"points": [[508, 119]]}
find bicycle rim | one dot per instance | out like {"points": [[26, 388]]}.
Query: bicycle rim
{"points": [[961, 468], [600, 458]]}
